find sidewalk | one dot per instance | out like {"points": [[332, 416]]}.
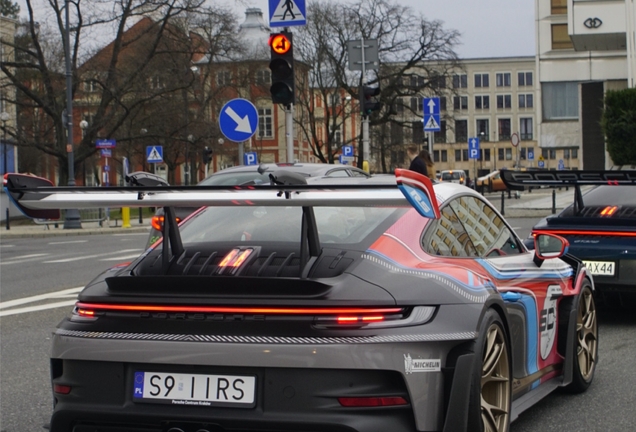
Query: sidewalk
{"points": [[26, 228]]}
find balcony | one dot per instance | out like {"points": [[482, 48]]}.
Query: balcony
{"points": [[597, 25]]}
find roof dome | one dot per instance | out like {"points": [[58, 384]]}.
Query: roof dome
{"points": [[255, 34]]}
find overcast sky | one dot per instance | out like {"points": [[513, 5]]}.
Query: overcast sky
{"points": [[489, 28]]}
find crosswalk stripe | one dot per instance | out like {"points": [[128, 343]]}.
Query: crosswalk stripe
{"points": [[84, 257], [37, 308], [32, 299]]}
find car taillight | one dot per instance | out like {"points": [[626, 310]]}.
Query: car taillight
{"points": [[157, 222], [609, 210], [359, 402], [61, 389]]}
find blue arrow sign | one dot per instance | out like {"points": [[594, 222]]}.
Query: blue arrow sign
{"points": [[473, 148], [154, 154], [347, 150], [238, 120], [283, 13], [250, 158], [431, 109]]}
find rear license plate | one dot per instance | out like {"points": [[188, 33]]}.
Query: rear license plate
{"points": [[194, 389], [600, 268]]}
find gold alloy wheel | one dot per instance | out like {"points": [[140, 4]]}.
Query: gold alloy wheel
{"points": [[587, 335], [495, 382]]}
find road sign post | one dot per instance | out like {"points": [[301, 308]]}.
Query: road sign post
{"points": [[431, 109]]}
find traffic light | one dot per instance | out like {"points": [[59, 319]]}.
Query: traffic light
{"points": [[207, 155], [367, 102], [282, 67]]}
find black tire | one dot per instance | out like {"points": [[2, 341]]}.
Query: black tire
{"points": [[491, 389], [585, 342]]}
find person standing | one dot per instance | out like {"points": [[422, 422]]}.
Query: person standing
{"points": [[417, 163]]}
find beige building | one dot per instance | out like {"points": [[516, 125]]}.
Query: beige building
{"points": [[584, 48], [493, 99]]}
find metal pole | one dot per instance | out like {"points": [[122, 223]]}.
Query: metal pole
{"points": [[289, 132], [5, 165], [72, 218], [365, 118], [241, 152]]}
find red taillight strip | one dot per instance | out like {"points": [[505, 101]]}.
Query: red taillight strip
{"points": [[585, 233], [360, 402], [236, 310]]}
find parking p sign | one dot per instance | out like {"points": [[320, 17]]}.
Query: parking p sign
{"points": [[250, 158], [473, 148]]}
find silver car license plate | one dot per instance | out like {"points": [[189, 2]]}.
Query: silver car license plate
{"points": [[600, 268], [194, 389]]}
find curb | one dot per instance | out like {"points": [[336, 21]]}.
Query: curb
{"points": [[18, 233]]}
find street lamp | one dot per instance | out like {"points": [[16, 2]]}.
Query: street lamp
{"points": [[5, 116], [72, 218], [189, 141], [83, 125]]}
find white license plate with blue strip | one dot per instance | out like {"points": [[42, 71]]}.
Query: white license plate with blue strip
{"points": [[601, 268], [194, 389]]}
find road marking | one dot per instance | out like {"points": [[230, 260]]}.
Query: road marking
{"points": [[6, 246], [91, 256], [37, 308], [23, 259], [68, 242], [131, 234], [32, 299]]}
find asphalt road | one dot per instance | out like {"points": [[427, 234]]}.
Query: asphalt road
{"points": [[50, 268]]}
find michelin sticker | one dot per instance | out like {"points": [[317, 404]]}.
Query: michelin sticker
{"points": [[421, 365]]}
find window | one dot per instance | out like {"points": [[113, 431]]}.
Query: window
{"points": [[417, 104], [482, 126], [418, 132], [223, 78], [548, 153], [155, 83], [526, 100], [504, 129], [444, 156], [504, 101], [481, 80], [560, 100], [461, 130], [525, 151], [508, 154], [90, 86], [435, 155], [482, 102], [488, 233], [500, 154], [464, 155], [438, 82], [399, 105], [525, 129], [485, 154], [524, 79], [575, 153], [566, 153], [442, 103], [503, 79], [440, 137], [559, 7], [447, 237], [560, 37], [263, 77], [458, 155], [265, 123], [416, 81], [460, 102], [460, 81]]}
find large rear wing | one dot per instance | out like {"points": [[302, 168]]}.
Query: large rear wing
{"points": [[519, 180]]}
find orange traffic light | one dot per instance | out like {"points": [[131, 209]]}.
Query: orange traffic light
{"points": [[279, 43]]}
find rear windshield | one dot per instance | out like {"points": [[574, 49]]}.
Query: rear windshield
{"points": [[264, 224], [455, 175], [236, 178]]}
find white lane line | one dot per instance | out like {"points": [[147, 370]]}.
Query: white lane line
{"points": [[37, 308], [91, 256], [23, 259], [69, 242], [131, 234], [56, 294], [6, 246]]}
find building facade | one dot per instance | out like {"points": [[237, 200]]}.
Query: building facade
{"points": [[584, 48], [8, 114]]}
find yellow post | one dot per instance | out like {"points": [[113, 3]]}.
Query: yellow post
{"points": [[125, 217], [365, 166]]}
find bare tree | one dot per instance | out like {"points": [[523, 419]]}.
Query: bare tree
{"points": [[112, 84], [414, 53]]}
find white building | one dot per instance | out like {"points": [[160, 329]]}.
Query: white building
{"points": [[584, 48]]}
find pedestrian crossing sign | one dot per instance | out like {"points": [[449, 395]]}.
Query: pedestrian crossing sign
{"points": [[154, 154], [283, 13]]}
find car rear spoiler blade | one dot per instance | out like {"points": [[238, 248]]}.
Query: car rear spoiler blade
{"points": [[518, 180], [35, 196]]}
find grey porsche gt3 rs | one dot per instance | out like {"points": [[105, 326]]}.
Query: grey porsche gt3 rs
{"points": [[402, 306]]}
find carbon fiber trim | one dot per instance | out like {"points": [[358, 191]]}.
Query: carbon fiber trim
{"points": [[267, 339]]}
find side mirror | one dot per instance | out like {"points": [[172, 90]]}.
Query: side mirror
{"points": [[547, 246]]}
